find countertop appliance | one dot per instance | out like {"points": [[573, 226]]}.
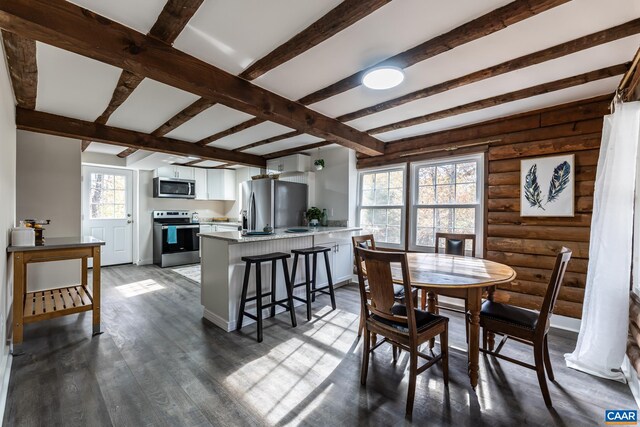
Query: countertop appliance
{"points": [[175, 238], [273, 202], [174, 188]]}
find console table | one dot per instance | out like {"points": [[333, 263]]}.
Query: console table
{"points": [[31, 307]]}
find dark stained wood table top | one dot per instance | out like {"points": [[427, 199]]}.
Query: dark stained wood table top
{"points": [[431, 270]]}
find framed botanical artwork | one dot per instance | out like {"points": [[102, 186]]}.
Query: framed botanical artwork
{"points": [[547, 186]]}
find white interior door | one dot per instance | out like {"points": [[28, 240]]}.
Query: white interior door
{"points": [[107, 203]]}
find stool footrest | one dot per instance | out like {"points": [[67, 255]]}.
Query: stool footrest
{"points": [[268, 294]]}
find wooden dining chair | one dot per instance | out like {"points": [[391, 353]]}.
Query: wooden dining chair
{"points": [[367, 241], [526, 326], [401, 324], [454, 244]]}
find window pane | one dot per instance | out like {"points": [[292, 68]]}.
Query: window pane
{"points": [[466, 193], [394, 217], [444, 174], [425, 237], [426, 176], [367, 181], [366, 217], [119, 212], [425, 218], [384, 224], [120, 197], [109, 181], [393, 235], [120, 182], [382, 180], [445, 194], [444, 220], [465, 220], [426, 195], [368, 197], [466, 172], [380, 217], [107, 196], [395, 197], [396, 180], [382, 197]]}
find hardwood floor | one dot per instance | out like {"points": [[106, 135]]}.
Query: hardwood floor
{"points": [[159, 364]]}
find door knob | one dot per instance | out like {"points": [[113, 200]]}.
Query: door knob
{"points": [[129, 221]]}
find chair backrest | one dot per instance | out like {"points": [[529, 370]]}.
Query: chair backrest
{"points": [[551, 295], [454, 243], [380, 278], [365, 241]]}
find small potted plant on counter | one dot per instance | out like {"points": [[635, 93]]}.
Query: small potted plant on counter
{"points": [[319, 164], [313, 216]]}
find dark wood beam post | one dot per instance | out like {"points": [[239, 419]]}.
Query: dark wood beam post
{"points": [[23, 69]]}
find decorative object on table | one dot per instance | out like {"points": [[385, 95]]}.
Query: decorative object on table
{"points": [[324, 219], [37, 225], [547, 186], [23, 235], [319, 164], [268, 229], [314, 215]]}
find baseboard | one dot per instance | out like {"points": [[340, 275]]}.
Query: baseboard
{"points": [[632, 379], [5, 383], [218, 321]]}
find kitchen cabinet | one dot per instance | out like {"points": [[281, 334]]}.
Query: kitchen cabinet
{"points": [[221, 227], [340, 258], [205, 228], [221, 184], [175, 171], [293, 163], [200, 175]]}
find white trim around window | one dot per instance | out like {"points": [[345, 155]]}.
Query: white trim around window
{"points": [[381, 204], [442, 200]]}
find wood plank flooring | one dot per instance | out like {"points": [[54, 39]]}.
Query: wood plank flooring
{"points": [[159, 364]]}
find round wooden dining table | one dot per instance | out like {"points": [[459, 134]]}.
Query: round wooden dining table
{"points": [[461, 277]]}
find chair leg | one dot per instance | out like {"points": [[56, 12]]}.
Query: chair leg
{"points": [[547, 360], [484, 338], [289, 285], [274, 268], [365, 357], [423, 299], [315, 277], [259, 300], [332, 295], [444, 351], [307, 278], [361, 323], [243, 298], [538, 350], [466, 323], [413, 374]]}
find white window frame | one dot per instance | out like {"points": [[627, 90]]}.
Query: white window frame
{"points": [[402, 207], [479, 205]]}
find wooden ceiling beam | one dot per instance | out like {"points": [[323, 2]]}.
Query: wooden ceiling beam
{"points": [[340, 17], [67, 26], [85, 145], [601, 37], [297, 150], [269, 140], [51, 124], [23, 68], [489, 23], [541, 89], [184, 116], [234, 129], [127, 83]]}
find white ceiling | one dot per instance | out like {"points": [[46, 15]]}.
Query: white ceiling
{"points": [[233, 34]]}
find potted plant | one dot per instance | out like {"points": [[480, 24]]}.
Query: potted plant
{"points": [[319, 164], [313, 216]]}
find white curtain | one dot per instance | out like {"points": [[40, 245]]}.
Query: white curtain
{"points": [[605, 315]]}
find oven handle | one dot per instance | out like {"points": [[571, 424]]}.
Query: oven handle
{"points": [[179, 227]]}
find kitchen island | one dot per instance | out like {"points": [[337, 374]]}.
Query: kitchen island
{"points": [[223, 268]]}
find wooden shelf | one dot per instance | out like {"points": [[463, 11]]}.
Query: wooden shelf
{"points": [[57, 302]]}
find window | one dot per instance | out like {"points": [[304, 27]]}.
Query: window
{"points": [[447, 197], [107, 196], [381, 205]]}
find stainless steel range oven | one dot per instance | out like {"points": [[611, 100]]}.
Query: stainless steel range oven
{"points": [[175, 238]]}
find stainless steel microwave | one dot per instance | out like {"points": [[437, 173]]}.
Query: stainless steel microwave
{"points": [[174, 188]]}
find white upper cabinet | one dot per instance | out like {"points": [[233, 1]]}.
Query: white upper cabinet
{"points": [[202, 191], [175, 171], [221, 184], [293, 163]]}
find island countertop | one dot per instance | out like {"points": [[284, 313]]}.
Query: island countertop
{"points": [[279, 233]]}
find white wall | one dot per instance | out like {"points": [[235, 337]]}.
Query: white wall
{"points": [[7, 220], [147, 204], [48, 186], [336, 183]]}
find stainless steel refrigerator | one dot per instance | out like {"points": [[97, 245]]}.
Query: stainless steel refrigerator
{"points": [[273, 202]]}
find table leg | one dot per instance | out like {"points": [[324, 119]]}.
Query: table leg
{"points": [[85, 273], [96, 288], [19, 289], [491, 337], [474, 301], [431, 308]]}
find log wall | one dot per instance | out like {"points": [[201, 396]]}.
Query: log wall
{"points": [[527, 244]]}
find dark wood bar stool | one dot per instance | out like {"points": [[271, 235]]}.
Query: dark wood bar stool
{"points": [[286, 303], [310, 282]]}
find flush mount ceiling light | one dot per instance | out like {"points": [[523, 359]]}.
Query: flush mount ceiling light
{"points": [[383, 77]]}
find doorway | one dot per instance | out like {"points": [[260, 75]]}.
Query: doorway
{"points": [[107, 204]]}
